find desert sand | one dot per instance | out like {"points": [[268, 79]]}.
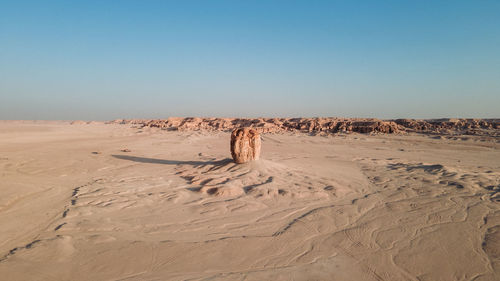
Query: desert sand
{"points": [[95, 201]]}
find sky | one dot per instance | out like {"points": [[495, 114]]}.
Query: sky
{"points": [[103, 60]]}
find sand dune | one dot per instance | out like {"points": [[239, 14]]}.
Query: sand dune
{"points": [[117, 202]]}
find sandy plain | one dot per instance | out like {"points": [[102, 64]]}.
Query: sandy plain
{"points": [[116, 202]]}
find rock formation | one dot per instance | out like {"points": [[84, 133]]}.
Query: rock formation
{"points": [[245, 145], [326, 125]]}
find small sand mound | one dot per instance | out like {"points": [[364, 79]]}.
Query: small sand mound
{"points": [[261, 178], [431, 168]]}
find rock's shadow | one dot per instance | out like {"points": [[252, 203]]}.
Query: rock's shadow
{"points": [[173, 162]]}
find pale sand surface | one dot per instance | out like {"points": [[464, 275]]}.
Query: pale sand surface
{"points": [[175, 207]]}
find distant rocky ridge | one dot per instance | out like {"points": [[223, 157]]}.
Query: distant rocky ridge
{"points": [[329, 125]]}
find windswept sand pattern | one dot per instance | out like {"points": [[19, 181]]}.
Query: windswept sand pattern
{"points": [[435, 202], [175, 207], [36, 241]]}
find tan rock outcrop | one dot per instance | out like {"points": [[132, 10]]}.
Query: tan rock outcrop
{"points": [[326, 125], [245, 145]]}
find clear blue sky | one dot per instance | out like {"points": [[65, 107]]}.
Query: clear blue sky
{"points": [[99, 60]]}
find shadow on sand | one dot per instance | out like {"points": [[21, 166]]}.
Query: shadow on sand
{"points": [[173, 162]]}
